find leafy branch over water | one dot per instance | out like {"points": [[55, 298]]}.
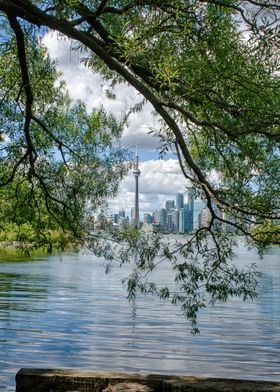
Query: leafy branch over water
{"points": [[193, 273]]}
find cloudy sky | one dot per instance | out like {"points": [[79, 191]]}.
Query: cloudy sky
{"points": [[160, 179]]}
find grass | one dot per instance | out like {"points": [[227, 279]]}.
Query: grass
{"points": [[9, 253]]}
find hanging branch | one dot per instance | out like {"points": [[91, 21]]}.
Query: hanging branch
{"points": [[31, 152]]}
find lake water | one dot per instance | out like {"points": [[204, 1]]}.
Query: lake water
{"points": [[64, 312]]}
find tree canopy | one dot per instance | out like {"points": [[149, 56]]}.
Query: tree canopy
{"points": [[209, 68], [55, 157]]}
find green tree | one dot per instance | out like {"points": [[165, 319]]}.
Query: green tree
{"points": [[210, 69], [56, 159]]}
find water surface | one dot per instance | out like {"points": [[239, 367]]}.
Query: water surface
{"points": [[65, 312]]}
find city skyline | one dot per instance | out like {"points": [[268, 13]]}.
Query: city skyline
{"points": [[197, 207], [187, 219], [177, 216]]}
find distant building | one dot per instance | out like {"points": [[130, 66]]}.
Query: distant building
{"points": [[199, 224], [115, 218], [160, 218], [123, 222], [163, 217], [181, 219], [205, 217], [179, 201], [132, 213], [156, 217], [148, 218], [169, 205], [175, 221], [198, 206], [189, 211], [169, 221], [121, 213]]}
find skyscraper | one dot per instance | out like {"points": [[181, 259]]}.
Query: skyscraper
{"points": [[190, 211], [181, 228], [179, 201], [169, 221], [136, 172], [169, 205], [175, 220], [122, 213], [186, 216], [160, 217]]}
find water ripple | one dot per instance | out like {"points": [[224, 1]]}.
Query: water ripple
{"points": [[53, 313]]}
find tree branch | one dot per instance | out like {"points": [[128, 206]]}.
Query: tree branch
{"points": [[27, 88]]}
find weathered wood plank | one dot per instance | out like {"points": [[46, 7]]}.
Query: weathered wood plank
{"points": [[49, 380]]}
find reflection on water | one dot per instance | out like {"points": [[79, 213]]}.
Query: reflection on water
{"points": [[67, 313]]}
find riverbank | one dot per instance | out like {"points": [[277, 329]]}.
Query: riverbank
{"points": [[18, 251], [27, 240], [12, 252]]}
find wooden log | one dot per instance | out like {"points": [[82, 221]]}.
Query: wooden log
{"points": [[46, 380], [127, 387], [205, 384]]}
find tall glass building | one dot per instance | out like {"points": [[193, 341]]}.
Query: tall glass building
{"points": [[179, 201], [169, 205], [189, 211]]}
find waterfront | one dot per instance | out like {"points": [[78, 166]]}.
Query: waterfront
{"points": [[66, 313]]}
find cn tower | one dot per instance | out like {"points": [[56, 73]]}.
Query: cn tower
{"points": [[136, 172]]}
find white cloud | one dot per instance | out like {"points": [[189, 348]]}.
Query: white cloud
{"points": [[88, 86]]}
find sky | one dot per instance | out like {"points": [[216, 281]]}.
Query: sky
{"points": [[160, 179]]}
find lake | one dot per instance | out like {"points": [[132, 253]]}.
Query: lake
{"points": [[65, 312]]}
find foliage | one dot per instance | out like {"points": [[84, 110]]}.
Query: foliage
{"points": [[268, 232], [210, 69], [59, 161], [28, 240], [192, 272], [12, 254]]}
